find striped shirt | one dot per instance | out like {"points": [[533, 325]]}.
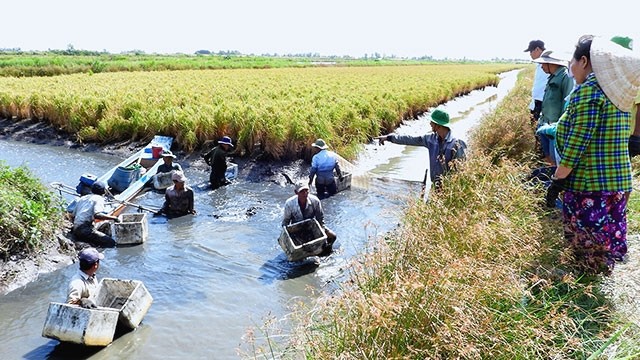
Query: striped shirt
{"points": [[592, 139]]}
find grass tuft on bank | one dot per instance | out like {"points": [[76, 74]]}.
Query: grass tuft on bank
{"points": [[481, 271], [29, 213]]}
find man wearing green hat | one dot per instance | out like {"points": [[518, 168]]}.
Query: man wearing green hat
{"points": [[443, 147]]}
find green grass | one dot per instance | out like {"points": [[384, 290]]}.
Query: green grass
{"points": [[20, 64], [29, 213]]}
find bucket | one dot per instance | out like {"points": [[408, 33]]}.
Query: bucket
{"points": [[156, 151], [123, 177]]}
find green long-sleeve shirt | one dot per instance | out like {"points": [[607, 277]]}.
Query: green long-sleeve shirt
{"points": [[559, 86]]}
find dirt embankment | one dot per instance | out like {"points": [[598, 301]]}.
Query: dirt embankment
{"points": [[61, 251]]}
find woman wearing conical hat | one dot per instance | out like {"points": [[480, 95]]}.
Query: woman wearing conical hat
{"points": [[592, 142]]}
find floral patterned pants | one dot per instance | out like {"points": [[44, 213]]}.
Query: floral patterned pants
{"points": [[595, 225]]}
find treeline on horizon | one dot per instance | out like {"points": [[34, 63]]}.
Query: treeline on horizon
{"points": [[18, 63]]}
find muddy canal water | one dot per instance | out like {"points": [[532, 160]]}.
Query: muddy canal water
{"points": [[216, 275]]}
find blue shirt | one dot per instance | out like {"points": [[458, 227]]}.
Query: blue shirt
{"points": [[440, 154], [322, 165]]}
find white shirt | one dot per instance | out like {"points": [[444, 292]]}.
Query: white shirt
{"points": [[86, 208], [81, 286], [293, 213], [539, 83]]}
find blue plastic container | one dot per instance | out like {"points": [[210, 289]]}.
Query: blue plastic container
{"points": [[84, 186], [122, 178]]}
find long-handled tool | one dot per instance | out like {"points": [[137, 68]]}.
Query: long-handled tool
{"points": [[139, 207], [63, 188]]}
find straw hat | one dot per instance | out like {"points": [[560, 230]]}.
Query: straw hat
{"points": [[617, 70]]}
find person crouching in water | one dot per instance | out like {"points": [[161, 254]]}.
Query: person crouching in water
{"points": [[89, 208], [83, 286], [322, 165], [217, 159], [303, 206], [178, 199]]}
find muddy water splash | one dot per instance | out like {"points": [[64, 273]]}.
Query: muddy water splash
{"points": [[215, 275]]}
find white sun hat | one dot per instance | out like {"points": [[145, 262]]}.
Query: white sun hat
{"points": [[549, 57], [617, 70]]}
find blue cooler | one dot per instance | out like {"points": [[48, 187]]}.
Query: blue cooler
{"points": [[84, 186]]}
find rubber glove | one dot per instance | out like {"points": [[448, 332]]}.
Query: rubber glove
{"points": [[548, 130], [87, 303], [634, 145], [557, 186]]}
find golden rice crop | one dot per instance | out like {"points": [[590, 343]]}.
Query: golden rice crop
{"points": [[280, 111]]}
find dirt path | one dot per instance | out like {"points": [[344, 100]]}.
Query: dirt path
{"points": [[623, 285]]}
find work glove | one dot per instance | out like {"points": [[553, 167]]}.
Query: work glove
{"points": [[634, 145], [553, 191], [382, 139], [87, 303], [548, 130]]}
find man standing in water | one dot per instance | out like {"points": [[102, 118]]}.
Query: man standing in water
{"points": [[168, 164], [322, 165], [217, 159], [443, 147], [84, 285], [178, 199], [303, 206]]}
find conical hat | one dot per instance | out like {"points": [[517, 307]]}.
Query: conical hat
{"points": [[617, 70]]}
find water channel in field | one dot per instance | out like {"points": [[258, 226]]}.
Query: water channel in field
{"points": [[216, 275]]}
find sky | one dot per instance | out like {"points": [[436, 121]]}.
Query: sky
{"points": [[463, 29]]}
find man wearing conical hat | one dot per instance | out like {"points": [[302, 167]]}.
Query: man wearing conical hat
{"points": [[443, 147]]}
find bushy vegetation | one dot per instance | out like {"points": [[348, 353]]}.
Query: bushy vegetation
{"points": [[481, 271], [29, 213], [277, 111], [21, 64]]}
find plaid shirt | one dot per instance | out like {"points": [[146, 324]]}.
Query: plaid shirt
{"points": [[592, 139]]}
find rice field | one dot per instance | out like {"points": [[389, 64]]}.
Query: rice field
{"points": [[278, 112]]}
